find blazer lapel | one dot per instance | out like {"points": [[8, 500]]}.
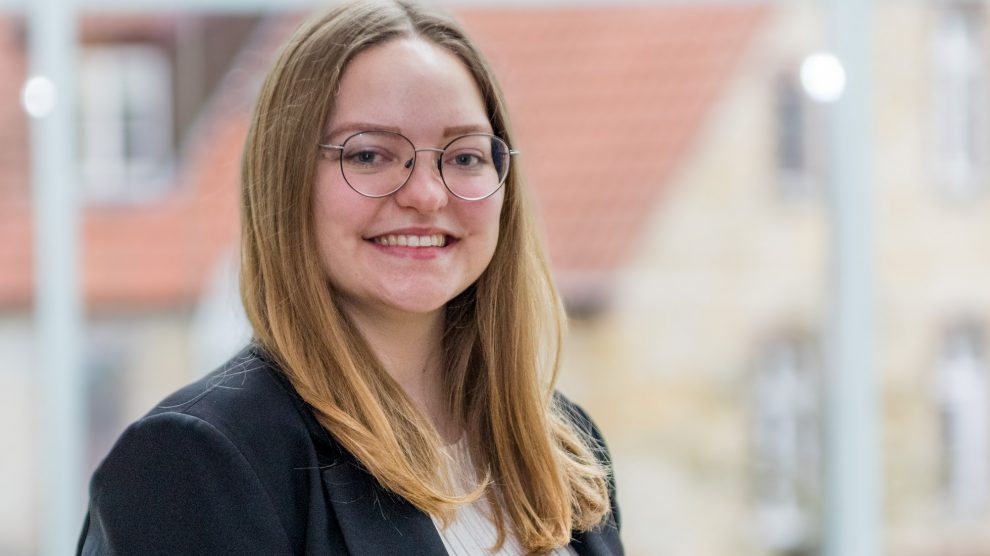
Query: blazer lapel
{"points": [[374, 521]]}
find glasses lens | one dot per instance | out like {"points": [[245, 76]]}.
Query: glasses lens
{"points": [[475, 166], [376, 163]]}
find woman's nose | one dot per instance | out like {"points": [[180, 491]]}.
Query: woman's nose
{"points": [[424, 191]]}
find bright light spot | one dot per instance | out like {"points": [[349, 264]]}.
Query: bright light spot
{"points": [[823, 77], [38, 96]]}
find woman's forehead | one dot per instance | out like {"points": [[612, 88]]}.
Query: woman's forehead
{"points": [[408, 85]]}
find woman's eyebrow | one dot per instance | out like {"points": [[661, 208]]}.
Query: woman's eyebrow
{"points": [[465, 129], [357, 127]]}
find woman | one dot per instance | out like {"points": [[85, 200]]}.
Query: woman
{"points": [[397, 397]]}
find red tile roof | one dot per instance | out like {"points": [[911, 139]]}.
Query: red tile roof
{"points": [[605, 101]]}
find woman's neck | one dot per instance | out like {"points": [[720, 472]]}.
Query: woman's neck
{"points": [[409, 347]]}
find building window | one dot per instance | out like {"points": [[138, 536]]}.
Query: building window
{"points": [[786, 442], [962, 399], [959, 97], [800, 158], [126, 123]]}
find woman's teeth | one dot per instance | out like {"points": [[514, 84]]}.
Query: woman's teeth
{"points": [[435, 240]]}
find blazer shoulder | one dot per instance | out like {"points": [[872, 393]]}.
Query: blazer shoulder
{"points": [[175, 484], [238, 441], [576, 415], [245, 380], [608, 531], [250, 401]]}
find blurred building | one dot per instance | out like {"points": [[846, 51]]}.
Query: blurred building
{"points": [[680, 170], [160, 103]]}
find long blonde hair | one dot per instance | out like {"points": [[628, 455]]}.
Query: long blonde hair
{"points": [[502, 336]]}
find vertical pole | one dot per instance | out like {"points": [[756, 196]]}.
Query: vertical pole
{"points": [[852, 498], [50, 100]]}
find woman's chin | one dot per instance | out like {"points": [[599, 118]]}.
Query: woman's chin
{"points": [[398, 307], [426, 306]]}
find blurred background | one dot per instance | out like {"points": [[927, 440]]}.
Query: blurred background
{"points": [[679, 155]]}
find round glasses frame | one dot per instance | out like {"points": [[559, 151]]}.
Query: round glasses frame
{"points": [[415, 152]]}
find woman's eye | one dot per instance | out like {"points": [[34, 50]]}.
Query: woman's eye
{"points": [[466, 159], [366, 157]]}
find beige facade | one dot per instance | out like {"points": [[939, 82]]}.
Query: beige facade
{"points": [[730, 263]]}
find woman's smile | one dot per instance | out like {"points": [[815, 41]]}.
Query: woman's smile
{"points": [[417, 244]]}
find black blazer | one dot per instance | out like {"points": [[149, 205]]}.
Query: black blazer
{"points": [[237, 464]]}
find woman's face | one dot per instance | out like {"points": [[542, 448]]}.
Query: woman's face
{"points": [[424, 92]]}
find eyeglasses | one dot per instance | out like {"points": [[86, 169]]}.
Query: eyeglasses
{"points": [[378, 163]]}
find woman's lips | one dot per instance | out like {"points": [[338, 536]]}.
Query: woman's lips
{"points": [[410, 246], [411, 240]]}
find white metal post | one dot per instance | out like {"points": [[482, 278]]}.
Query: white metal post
{"points": [[49, 99], [852, 451]]}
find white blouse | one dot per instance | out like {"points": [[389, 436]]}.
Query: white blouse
{"points": [[472, 531]]}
